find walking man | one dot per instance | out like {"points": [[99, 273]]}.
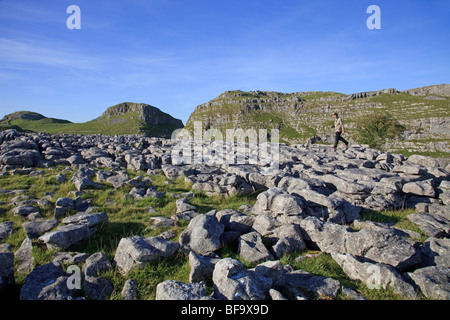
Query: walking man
{"points": [[339, 130]]}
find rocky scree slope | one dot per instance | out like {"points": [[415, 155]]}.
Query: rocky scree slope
{"points": [[315, 201]]}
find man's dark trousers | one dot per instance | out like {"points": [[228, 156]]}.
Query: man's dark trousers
{"points": [[339, 138]]}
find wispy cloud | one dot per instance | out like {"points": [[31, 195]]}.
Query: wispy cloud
{"points": [[151, 61], [28, 52], [31, 11]]}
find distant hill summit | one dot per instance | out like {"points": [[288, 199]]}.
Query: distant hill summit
{"points": [[120, 119], [137, 118], [307, 116], [146, 113], [29, 115]]}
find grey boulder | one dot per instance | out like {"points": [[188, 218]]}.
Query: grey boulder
{"points": [[252, 249], [24, 257], [434, 281], [35, 228], [277, 202], [97, 262], [159, 222], [90, 219], [118, 180], [6, 229], [183, 205], [6, 270], [380, 245], [420, 188], [318, 285], [46, 282], [436, 252], [25, 210], [202, 235], [66, 235], [129, 290], [383, 246], [375, 276], [286, 238], [176, 290], [97, 288], [232, 281], [82, 179], [136, 251], [273, 270], [235, 221], [202, 267], [434, 225], [63, 206]]}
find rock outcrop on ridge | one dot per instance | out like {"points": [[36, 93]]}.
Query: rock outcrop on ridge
{"points": [[146, 113], [307, 116]]}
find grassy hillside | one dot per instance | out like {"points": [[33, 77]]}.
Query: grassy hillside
{"points": [[43, 125], [120, 124]]}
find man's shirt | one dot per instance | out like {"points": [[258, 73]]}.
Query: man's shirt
{"points": [[338, 125]]}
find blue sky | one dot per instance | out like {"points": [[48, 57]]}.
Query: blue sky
{"points": [[177, 54]]}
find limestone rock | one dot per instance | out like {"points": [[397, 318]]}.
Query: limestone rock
{"points": [[118, 180], [380, 245], [233, 282], [46, 282], [176, 290], [6, 229], [36, 228], [24, 257], [6, 270], [97, 288], [66, 235], [136, 251], [433, 281], [273, 270], [383, 246], [423, 160], [90, 219], [235, 221], [202, 267], [25, 210], [319, 285], [252, 249], [420, 188], [96, 263], [433, 225], [277, 202], [287, 238], [436, 252], [183, 205], [202, 235], [129, 291], [376, 276], [159, 222]]}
